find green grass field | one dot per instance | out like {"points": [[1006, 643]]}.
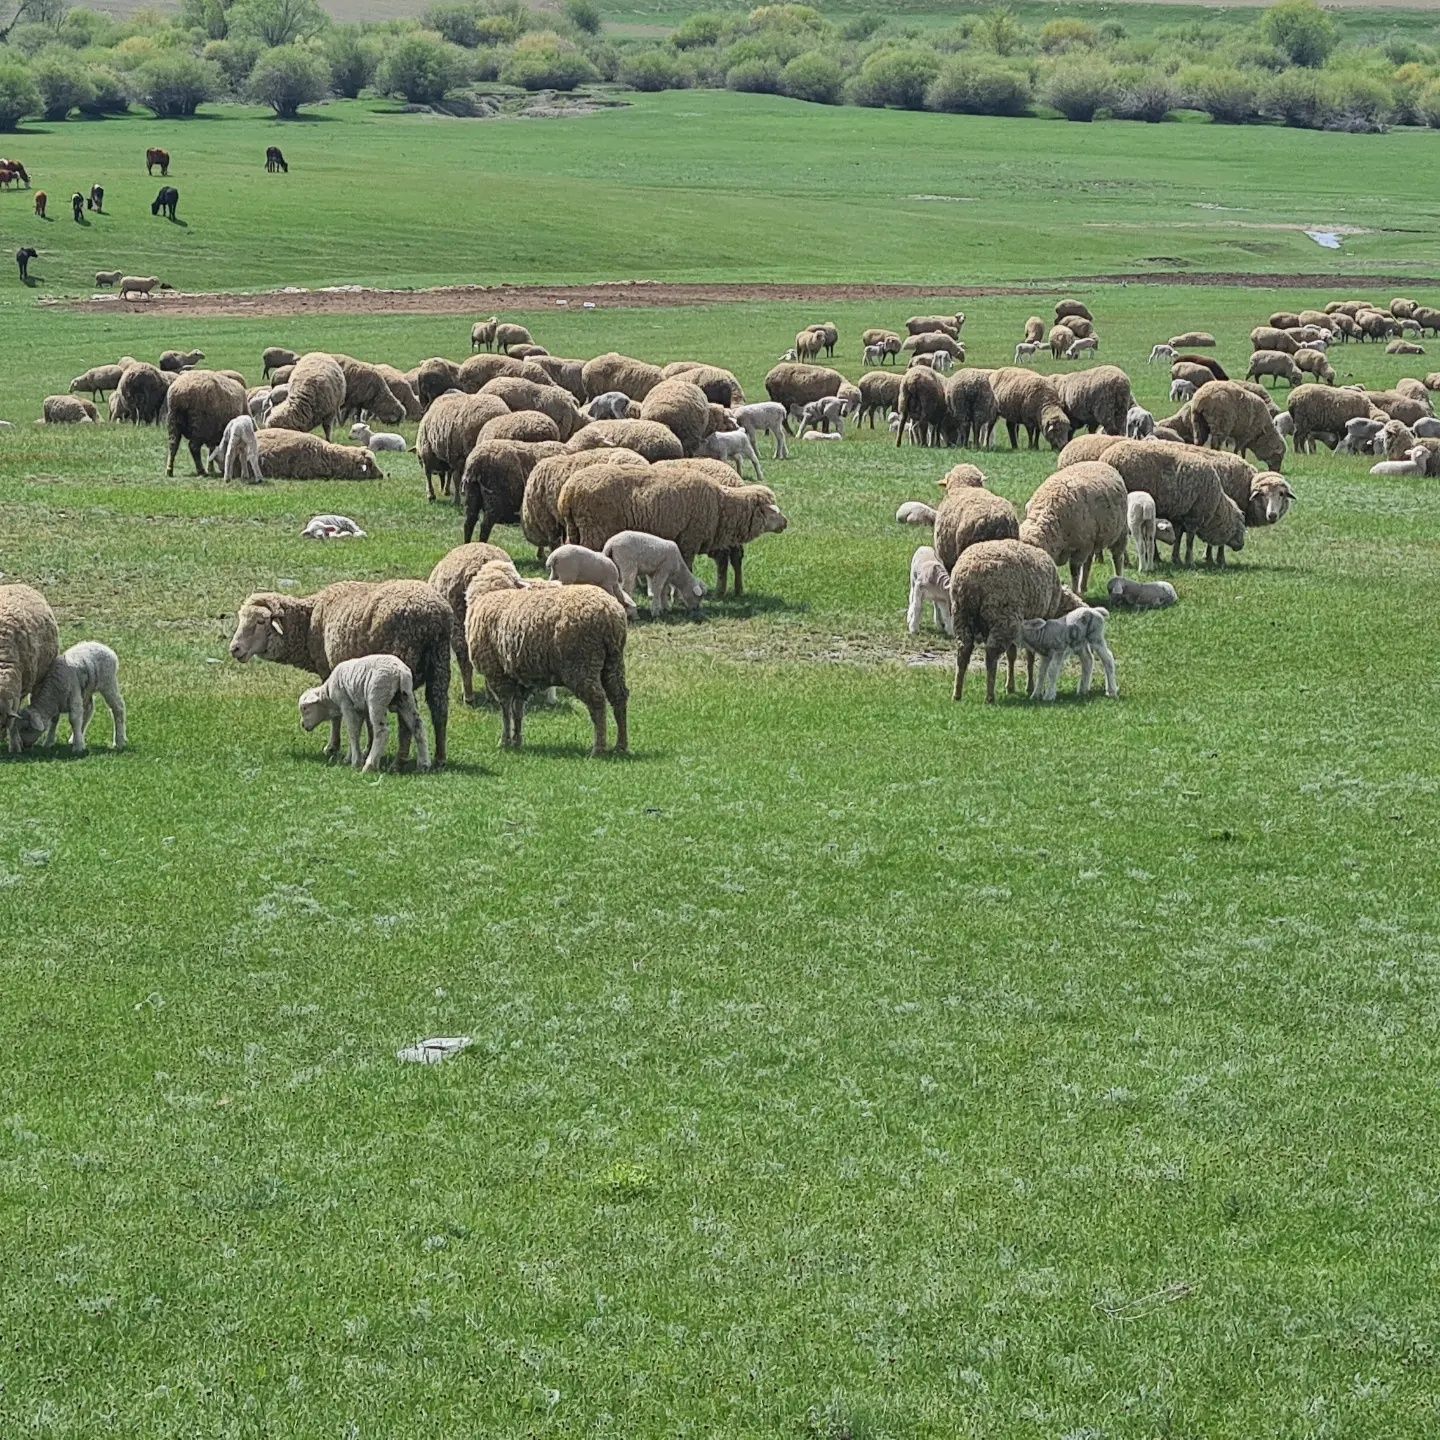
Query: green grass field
{"points": [[849, 1062]]}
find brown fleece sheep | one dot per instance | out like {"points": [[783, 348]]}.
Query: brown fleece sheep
{"points": [[317, 392], [551, 400], [680, 406], [448, 433], [965, 516], [1270, 337], [366, 393], [1080, 327], [1025, 400], [507, 335], [140, 396], [1320, 413], [202, 404], [451, 578], [539, 515], [645, 437], [720, 386], [1193, 340], [298, 455], [282, 375], [1062, 337], [401, 390], [1078, 514], [937, 342], [479, 370], [29, 646], [432, 378], [526, 639], [970, 396], [793, 385], [1398, 406], [923, 406], [527, 425], [1184, 482], [494, 481], [345, 621], [993, 587], [1227, 416], [1065, 308], [1084, 448], [97, 380], [1263, 499], [879, 394], [1096, 399], [1034, 330], [727, 558], [962, 474], [1194, 375], [608, 372], [274, 357], [66, 410], [567, 374]]}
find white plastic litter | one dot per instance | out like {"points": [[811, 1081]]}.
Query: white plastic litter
{"points": [[434, 1052], [332, 527]]}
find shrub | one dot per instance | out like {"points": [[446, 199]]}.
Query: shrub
{"points": [[235, 59], [699, 30], [790, 18], [353, 58], [133, 51], [1299, 98], [419, 67], [584, 15], [1061, 35], [1302, 30], [18, 95], [999, 31], [1080, 89], [973, 85], [861, 27], [1143, 93], [459, 24], [1360, 102], [657, 69], [30, 40], [1229, 96], [288, 77], [278, 22], [546, 61], [1400, 51], [109, 93], [813, 76], [897, 76], [754, 77], [1427, 105], [175, 85], [63, 81], [1408, 81]]}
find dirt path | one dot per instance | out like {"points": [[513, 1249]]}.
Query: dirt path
{"points": [[644, 294]]}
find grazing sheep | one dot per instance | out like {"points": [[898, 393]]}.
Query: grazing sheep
{"points": [[366, 393], [1360, 437], [1025, 400], [822, 414], [1034, 331], [1080, 632], [681, 407], [1062, 337], [539, 517], [274, 356], [29, 645], [765, 417], [315, 398], [635, 553], [521, 394], [478, 371], [1139, 423], [1087, 346], [1398, 405], [1315, 364], [1096, 399], [1080, 327], [1077, 514], [915, 512], [1140, 522], [1278, 365], [451, 579], [139, 398], [1268, 337], [528, 638], [1321, 413], [493, 482], [970, 398], [793, 385], [720, 386], [106, 278], [924, 404], [368, 688], [733, 447], [1181, 391], [994, 587], [201, 405], [97, 381], [527, 425], [614, 405], [1161, 352], [69, 688], [620, 372], [968, 515], [1026, 350], [1228, 417], [238, 452], [575, 565], [381, 441], [879, 394], [67, 410], [1084, 448], [1141, 595], [935, 343], [929, 585], [447, 434], [1185, 484], [645, 437], [177, 360], [350, 619], [296, 455]]}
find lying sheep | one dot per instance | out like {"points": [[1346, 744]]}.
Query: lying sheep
{"points": [[1414, 462], [822, 435], [1081, 632], [1139, 423], [667, 576], [766, 417], [294, 455], [368, 688], [732, 447], [929, 585], [575, 565], [331, 527], [383, 441], [69, 688], [67, 410], [29, 645], [1142, 595], [526, 639], [915, 512], [1140, 522], [1404, 347]]}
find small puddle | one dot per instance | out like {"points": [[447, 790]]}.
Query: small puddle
{"points": [[1326, 239]]}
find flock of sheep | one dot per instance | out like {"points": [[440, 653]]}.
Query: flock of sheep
{"points": [[615, 469]]}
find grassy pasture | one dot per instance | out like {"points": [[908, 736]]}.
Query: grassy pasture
{"points": [[848, 1062]]}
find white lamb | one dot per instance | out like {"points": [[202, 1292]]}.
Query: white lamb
{"points": [[1285, 424], [733, 447], [634, 553], [1360, 436], [577, 565], [1088, 345], [942, 363], [822, 414], [1161, 352], [1082, 633], [1140, 520], [1139, 423], [1181, 391], [377, 441], [368, 688], [332, 527], [915, 512], [1415, 465], [70, 688], [873, 355], [1026, 350], [1141, 594], [259, 406], [612, 405], [766, 417], [239, 451], [1427, 427], [822, 435], [929, 585]]}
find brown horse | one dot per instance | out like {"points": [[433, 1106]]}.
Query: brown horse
{"points": [[41, 200], [18, 168], [157, 157]]}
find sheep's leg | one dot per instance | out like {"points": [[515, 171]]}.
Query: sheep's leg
{"points": [[1050, 686], [992, 661], [174, 446], [737, 563], [917, 605], [612, 680], [333, 748], [111, 692], [962, 664], [1107, 664], [467, 670], [379, 736], [1010, 657], [352, 727], [195, 455], [1117, 557], [1077, 577], [517, 719], [1087, 666], [49, 738], [1189, 547], [782, 450], [411, 724], [78, 718], [722, 571]]}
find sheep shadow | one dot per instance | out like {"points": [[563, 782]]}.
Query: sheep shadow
{"points": [[569, 750], [318, 759], [81, 220], [750, 605], [175, 220], [31, 281]]}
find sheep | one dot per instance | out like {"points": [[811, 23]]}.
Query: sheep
{"points": [[575, 565], [1080, 632], [923, 403], [1403, 309], [720, 386], [67, 410], [1427, 317], [1361, 433], [1026, 350], [97, 381], [823, 435], [368, 688], [915, 512], [525, 639], [1321, 413], [106, 278], [140, 396], [280, 379], [1427, 426], [1414, 389], [273, 357], [1084, 448], [1264, 497], [1140, 522], [239, 451], [1314, 363], [1195, 376], [378, 441], [433, 377], [733, 447], [1141, 595], [450, 579], [296, 455], [1066, 308], [539, 519], [1096, 399], [70, 687], [929, 324], [1376, 326], [201, 405], [473, 374], [316, 396], [1161, 352], [494, 479], [1398, 406], [1025, 400], [873, 355], [447, 434], [822, 414], [1087, 346], [879, 394], [1077, 514], [634, 553], [620, 372], [1277, 364], [970, 400], [682, 407], [1080, 327], [1285, 424], [613, 405], [968, 515], [521, 394], [935, 343], [765, 417], [1177, 427], [482, 333], [366, 393], [507, 335], [141, 285], [1180, 391], [29, 645], [1139, 423], [994, 587], [646, 437], [1404, 347], [792, 384], [970, 476], [808, 344], [177, 360], [1185, 485], [1226, 416], [527, 425], [929, 585], [1062, 337], [1414, 463], [1034, 331], [938, 361]]}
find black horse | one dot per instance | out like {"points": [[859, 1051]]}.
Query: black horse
{"points": [[274, 160], [166, 201], [23, 257]]}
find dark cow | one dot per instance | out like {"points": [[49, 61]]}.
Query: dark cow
{"points": [[23, 257], [157, 157], [165, 202], [274, 160]]}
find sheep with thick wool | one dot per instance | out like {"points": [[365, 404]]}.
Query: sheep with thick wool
{"points": [[431, 378], [1226, 416], [1321, 412], [968, 515], [368, 689], [451, 579], [923, 406], [551, 400], [1078, 514], [1185, 484], [539, 516], [529, 426], [794, 385], [67, 410], [367, 393], [720, 386], [295, 455], [493, 482], [612, 371], [970, 396], [681, 407], [646, 437], [1096, 399], [97, 380], [447, 434], [29, 647], [273, 357], [202, 404], [139, 398], [315, 398], [575, 565], [1030, 402]]}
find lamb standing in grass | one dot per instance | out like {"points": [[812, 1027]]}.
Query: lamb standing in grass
{"points": [[239, 451], [929, 585], [732, 446], [1140, 521], [575, 565], [70, 688], [1079, 632], [368, 688], [766, 417], [634, 553]]}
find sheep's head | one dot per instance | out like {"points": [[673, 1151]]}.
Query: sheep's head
{"points": [[29, 726], [366, 466], [1270, 497], [315, 709], [933, 575], [1055, 425], [1232, 529], [1399, 440], [258, 631], [765, 516], [493, 576], [963, 476]]}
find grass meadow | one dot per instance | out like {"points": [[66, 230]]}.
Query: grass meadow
{"points": [[849, 1063]]}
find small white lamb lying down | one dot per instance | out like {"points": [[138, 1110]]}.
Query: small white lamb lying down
{"points": [[929, 585], [380, 440], [822, 435], [70, 688], [1055, 641], [368, 688], [1142, 594], [915, 512], [332, 527]]}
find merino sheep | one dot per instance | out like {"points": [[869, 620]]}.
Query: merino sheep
{"points": [[1185, 484], [915, 512], [1077, 514], [433, 377], [1277, 364], [529, 426], [924, 405], [67, 410], [316, 396], [970, 397], [1034, 331], [1140, 522], [451, 579], [720, 386], [1025, 400], [1321, 413], [928, 324], [1181, 391], [482, 333], [97, 381], [29, 645], [682, 407], [879, 394], [494, 479], [1398, 405], [1404, 347], [525, 639], [793, 385], [521, 394], [539, 516], [1096, 399], [1081, 632], [177, 360], [352, 618], [646, 437], [367, 395], [296, 455], [929, 585], [201, 405], [971, 476], [968, 515], [141, 285], [994, 587], [69, 688], [479, 370], [1065, 308], [368, 688], [140, 397], [1229, 417], [447, 434], [620, 372], [274, 356], [1062, 337], [935, 343], [575, 565], [634, 553], [1314, 363]]}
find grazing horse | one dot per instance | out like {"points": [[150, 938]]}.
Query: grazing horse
{"points": [[95, 200], [166, 201], [7, 176], [274, 160], [77, 204], [41, 201], [18, 168], [23, 257], [157, 157]]}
